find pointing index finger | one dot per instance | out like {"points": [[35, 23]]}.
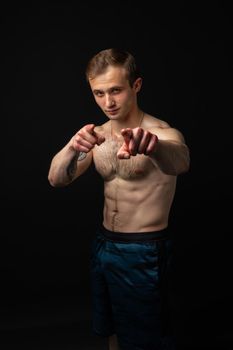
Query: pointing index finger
{"points": [[127, 134], [99, 138]]}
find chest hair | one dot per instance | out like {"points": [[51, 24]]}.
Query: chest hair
{"points": [[109, 166]]}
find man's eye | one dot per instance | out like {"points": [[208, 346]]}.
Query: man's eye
{"points": [[99, 93], [115, 91]]}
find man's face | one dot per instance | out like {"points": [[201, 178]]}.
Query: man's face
{"points": [[112, 92]]}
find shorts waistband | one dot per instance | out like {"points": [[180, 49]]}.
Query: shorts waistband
{"points": [[134, 236]]}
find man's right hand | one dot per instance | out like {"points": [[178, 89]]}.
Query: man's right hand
{"points": [[86, 138]]}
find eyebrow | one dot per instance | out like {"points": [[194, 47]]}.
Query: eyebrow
{"points": [[109, 90]]}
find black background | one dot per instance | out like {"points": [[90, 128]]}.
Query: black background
{"points": [[184, 55]]}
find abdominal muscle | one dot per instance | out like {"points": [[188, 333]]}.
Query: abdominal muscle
{"points": [[137, 206]]}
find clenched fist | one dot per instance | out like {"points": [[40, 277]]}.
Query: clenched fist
{"points": [[137, 141], [86, 138]]}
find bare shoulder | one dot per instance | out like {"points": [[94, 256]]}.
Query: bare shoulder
{"points": [[153, 122], [162, 129]]}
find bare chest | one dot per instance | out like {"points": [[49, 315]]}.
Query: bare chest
{"points": [[109, 166]]}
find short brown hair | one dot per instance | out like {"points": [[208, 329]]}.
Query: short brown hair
{"points": [[112, 57]]}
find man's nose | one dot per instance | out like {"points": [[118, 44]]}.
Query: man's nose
{"points": [[109, 101]]}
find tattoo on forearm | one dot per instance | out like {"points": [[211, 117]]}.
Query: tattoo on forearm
{"points": [[71, 169], [82, 155]]}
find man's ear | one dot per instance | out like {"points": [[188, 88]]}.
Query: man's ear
{"points": [[137, 84]]}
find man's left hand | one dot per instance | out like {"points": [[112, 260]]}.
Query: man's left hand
{"points": [[137, 141]]}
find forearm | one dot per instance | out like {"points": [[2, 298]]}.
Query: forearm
{"points": [[63, 167], [172, 157]]}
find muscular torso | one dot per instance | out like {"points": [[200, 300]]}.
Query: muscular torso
{"points": [[138, 195]]}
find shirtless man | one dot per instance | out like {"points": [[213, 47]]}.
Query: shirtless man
{"points": [[139, 157]]}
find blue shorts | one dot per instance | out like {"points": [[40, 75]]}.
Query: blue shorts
{"points": [[128, 279]]}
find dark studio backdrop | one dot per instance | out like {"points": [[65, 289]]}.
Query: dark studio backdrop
{"points": [[184, 55]]}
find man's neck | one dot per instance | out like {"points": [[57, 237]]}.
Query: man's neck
{"points": [[116, 126]]}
